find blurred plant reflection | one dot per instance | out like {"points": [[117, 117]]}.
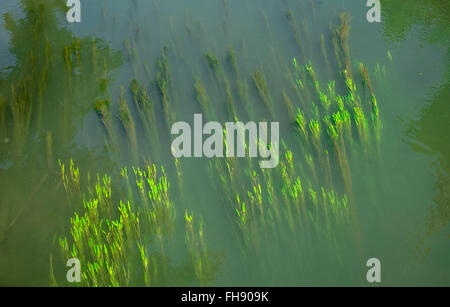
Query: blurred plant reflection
{"points": [[430, 21], [44, 97]]}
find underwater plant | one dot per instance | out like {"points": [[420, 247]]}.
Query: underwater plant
{"points": [[163, 84], [125, 244], [145, 107]]}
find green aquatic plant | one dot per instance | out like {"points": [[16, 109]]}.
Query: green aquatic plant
{"points": [[4, 131], [314, 129], [179, 172], [71, 179], [303, 208], [134, 221], [242, 214], [335, 129], [340, 43], [331, 86], [389, 55], [145, 108], [230, 103], [325, 55], [365, 78], [163, 83], [103, 246], [215, 70], [336, 120], [128, 123], [313, 77], [21, 109], [102, 108], [301, 85], [49, 141], [205, 264], [203, 99], [51, 65], [263, 90], [289, 106], [300, 120], [94, 53], [249, 211], [213, 63], [361, 125], [325, 102], [351, 97], [295, 84], [295, 32], [153, 187], [375, 116]]}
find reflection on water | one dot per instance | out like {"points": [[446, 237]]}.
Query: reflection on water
{"points": [[430, 21], [44, 97], [106, 92]]}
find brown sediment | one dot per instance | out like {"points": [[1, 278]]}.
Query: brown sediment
{"points": [[340, 43], [163, 83], [203, 99]]}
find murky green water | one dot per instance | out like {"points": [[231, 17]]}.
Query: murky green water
{"points": [[390, 180]]}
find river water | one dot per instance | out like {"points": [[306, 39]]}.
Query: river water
{"points": [[398, 200]]}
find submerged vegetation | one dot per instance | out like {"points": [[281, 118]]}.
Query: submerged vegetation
{"points": [[131, 222], [311, 191]]}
